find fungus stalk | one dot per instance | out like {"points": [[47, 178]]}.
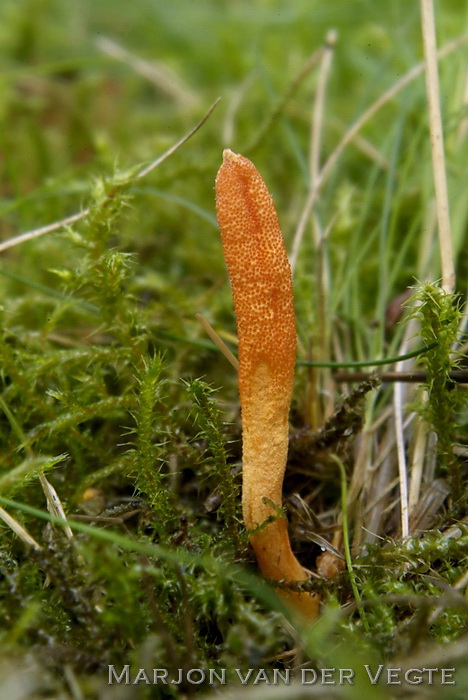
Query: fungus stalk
{"points": [[261, 282]]}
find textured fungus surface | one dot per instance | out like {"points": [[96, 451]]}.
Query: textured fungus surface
{"points": [[262, 290]]}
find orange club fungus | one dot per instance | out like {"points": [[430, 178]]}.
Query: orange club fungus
{"points": [[261, 282]]}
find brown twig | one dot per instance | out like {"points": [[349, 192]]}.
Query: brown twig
{"points": [[418, 377]]}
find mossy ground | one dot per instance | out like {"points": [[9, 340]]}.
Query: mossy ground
{"points": [[111, 392]]}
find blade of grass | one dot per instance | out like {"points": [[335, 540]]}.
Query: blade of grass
{"points": [[176, 557], [18, 529], [49, 291], [219, 342], [352, 133], [35, 233], [346, 545], [370, 363], [401, 458], [437, 145]]}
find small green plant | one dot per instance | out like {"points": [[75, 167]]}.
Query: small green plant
{"points": [[152, 430], [439, 316], [207, 417]]}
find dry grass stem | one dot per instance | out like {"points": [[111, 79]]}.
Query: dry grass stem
{"points": [[437, 145], [35, 233], [18, 529], [417, 462], [283, 100], [155, 72], [54, 504], [217, 340], [362, 144], [462, 130], [352, 133], [401, 456], [411, 377], [400, 399], [377, 477], [178, 144], [234, 107], [326, 386], [319, 105]]}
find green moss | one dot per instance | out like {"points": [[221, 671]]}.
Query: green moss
{"points": [[439, 316]]}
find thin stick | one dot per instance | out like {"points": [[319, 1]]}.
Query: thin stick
{"points": [[417, 462], [234, 106], [319, 105], [35, 233], [54, 504], [346, 545], [219, 342], [437, 145], [179, 143], [351, 134], [156, 72], [463, 124], [18, 529], [370, 363], [419, 377], [460, 584], [401, 459], [362, 144], [283, 100], [322, 387]]}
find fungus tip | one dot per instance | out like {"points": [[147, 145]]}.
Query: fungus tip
{"points": [[229, 155]]}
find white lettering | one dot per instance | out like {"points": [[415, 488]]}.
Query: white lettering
{"points": [[283, 676], [159, 674], [304, 673], [373, 679], [215, 675], [326, 674], [190, 675], [430, 672], [113, 673], [261, 677], [348, 674], [413, 680], [141, 676], [391, 674], [243, 679], [447, 673], [179, 679]]}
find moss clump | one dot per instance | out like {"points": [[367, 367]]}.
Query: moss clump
{"points": [[439, 316]]}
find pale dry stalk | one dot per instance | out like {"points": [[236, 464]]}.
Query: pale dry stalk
{"points": [[437, 145]]}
